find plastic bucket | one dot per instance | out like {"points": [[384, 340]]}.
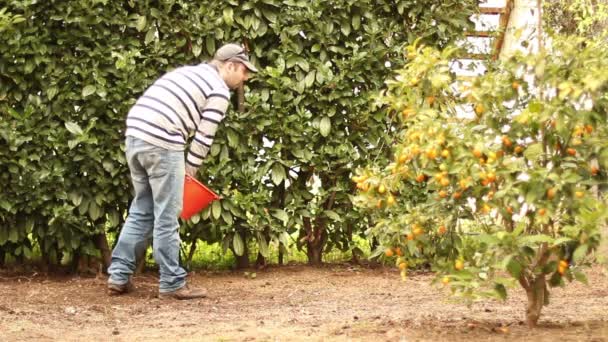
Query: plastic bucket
{"points": [[196, 197]]}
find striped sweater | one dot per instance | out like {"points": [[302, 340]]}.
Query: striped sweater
{"points": [[186, 103]]}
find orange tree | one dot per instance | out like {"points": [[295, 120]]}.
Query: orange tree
{"points": [[491, 181]]}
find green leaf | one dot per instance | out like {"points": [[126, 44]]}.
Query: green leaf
{"points": [[228, 15], [514, 268], [333, 215], [501, 291], [580, 276], [534, 239], [281, 215], [150, 35], [88, 90], [533, 151], [210, 45], [238, 245], [325, 126], [141, 23], [263, 246], [278, 173], [216, 209], [50, 94], [579, 253], [73, 128]]}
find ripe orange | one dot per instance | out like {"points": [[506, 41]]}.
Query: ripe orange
{"points": [[430, 100], [407, 112], [588, 129], [477, 153], [442, 230], [571, 151], [459, 265], [445, 280], [506, 141], [418, 231], [594, 170], [542, 211], [491, 177], [398, 251], [445, 154], [510, 210], [551, 193], [379, 204], [389, 252], [515, 85], [479, 109], [431, 153], [410, 237], [463, 184], [486, 208], [420, 178], [457, 195], [390, 200], [402, 158], [443, 194], [579, 194], [403, 265], [444, 182], [518, 149], [381, 189]]}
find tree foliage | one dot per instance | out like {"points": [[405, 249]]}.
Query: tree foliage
{"points": [[70, 70], [504, 163]]}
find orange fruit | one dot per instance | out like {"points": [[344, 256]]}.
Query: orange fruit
{"points": [[491, 177], [588, 129], [418, 231], [390, 200], [579, 194], [381, 189], [563, 263], [479, 109], [431, 153], [459, 265], [551, 193], [506, 141], [379, 204], [402, 158], [510, 210], [389, 252], [420, 178], [443, 194], [457, 195], [518, 149], [445, 154], [407, 112], [477, 153], [463, 184], [445, 280], [442, 230], [430, 100], [402, 266], [594, 170], [486, 208], [410, 237], [444, 182], [515, 85], [542, 211], [398, 251], [571, 151]]}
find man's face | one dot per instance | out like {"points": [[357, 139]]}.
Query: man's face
{"points": [[237, 74]]}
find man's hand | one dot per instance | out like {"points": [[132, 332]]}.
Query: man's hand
{"points": [[191, 170]]}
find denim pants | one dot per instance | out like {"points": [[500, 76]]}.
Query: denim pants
{"points": [[158, 178]]}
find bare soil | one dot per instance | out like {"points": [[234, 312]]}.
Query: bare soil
{"points": [[290, 303]]}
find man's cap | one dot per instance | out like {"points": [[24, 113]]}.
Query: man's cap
{"points": [[234, 53]]}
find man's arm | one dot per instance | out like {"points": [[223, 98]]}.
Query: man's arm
{"points": [[212, 115]]}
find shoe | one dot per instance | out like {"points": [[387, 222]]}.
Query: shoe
{"points": [[115, 289], [184, 293]]}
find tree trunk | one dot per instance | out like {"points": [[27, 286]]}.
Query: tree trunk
{"points": [[316, 237], [260, 262], [2, 254], [280, 261], [242, 261], [191, 254], [101, 242], [537, 295]]}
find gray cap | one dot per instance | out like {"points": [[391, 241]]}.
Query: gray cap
{"points": [[234, 53]]}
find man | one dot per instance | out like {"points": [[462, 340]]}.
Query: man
{"points": [[185, 104]]}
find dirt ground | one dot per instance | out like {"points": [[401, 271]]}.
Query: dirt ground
{"points": [[290, 303]]}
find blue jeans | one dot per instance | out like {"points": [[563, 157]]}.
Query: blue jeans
{"points": [[158, 178]]}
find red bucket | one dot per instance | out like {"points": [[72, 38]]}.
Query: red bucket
{"points": [[196, 197]]}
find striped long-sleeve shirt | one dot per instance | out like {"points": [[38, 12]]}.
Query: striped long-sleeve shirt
{"points": [[188, 102]]}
